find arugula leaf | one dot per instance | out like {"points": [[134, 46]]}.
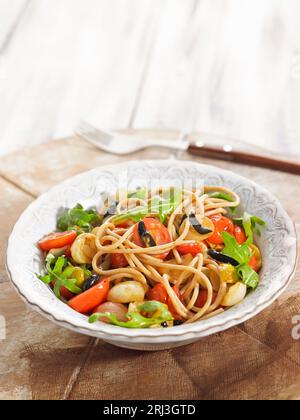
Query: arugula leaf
{"points": [[249, 223], [162, 206], [140, 193], [159, 311], [45, 279], [222, 196], [135, 214], [248, 276], [77, 217], [59, 271], [241, 253]]}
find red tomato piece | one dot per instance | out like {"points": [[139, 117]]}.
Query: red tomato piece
{"points": [[157, 230], [93, 297], [253, 263], [193, 249], [118, 261], [65, 293], [158, 293], [57, 240], [239, 234], [202, 298], [221, 224]]}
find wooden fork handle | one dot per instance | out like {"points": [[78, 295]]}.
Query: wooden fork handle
{"points": [[245, 158]]}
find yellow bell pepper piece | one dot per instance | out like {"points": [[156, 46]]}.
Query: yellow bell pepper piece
{"points": [[228, 273]]}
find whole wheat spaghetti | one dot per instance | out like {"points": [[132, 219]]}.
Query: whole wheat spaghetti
{"points": [[160, 258]]}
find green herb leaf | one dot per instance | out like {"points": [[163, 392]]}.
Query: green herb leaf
{"points": [[222, 196], [59, 266], [241, 253], [135, 319], [45, 279], [140, 193], [250, 224], [78, 219], [161, 206], [59, 272], [70, 284], [248, 276]]}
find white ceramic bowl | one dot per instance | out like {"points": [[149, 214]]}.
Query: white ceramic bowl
{"points": [[278, 245]]}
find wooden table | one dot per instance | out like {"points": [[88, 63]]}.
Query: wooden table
{"points": [[256, 360], [227, 67]]}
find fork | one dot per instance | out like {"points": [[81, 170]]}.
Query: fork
{"points": [[123, 144]]}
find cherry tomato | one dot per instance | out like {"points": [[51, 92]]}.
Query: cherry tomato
{"points": [[202, 298], [158, 293], [157, 230], [239, 234], [221, 224], [253, 263], [193, 249], [118, 261], [57, 240], [93, 297]]}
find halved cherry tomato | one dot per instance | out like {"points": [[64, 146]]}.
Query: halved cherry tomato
{"points": [[118, 261], [239, 234], [93, 297], [202, 298], [253, 263], [222, 224], [57, 240], [158, 293], [193, 249], [157, 230]]}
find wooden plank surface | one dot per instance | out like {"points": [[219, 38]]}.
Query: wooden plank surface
{"points": [[14, 201], [227, 67], [69, 59], [257, 360]]}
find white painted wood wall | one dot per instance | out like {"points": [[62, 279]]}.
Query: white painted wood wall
{"points": [[229, 67]]}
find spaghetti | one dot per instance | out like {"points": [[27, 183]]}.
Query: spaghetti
{"points": [[178, 251]]}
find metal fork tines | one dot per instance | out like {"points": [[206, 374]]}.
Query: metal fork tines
{"points": [[122, 144]]}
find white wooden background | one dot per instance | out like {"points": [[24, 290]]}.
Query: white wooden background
{"points": [[229, 67]]}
